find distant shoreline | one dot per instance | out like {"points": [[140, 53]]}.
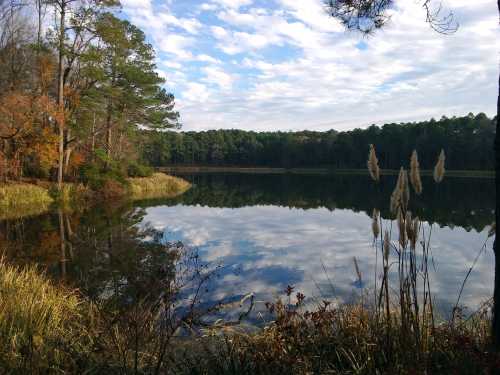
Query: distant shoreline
{"points": [[313, 171]]}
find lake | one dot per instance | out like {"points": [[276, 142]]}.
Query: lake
{"points": [[263, 232]]}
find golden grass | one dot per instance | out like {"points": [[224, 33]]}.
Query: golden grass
{"points": [[21, 199], [159, 185], [38, 321]]}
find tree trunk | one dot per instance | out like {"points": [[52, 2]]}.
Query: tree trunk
{"points": [[60, 93], [496, 245], [109, 135]]}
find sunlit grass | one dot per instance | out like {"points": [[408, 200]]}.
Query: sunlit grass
{"points": [[159, 185], [40, 323], [21, 199]]}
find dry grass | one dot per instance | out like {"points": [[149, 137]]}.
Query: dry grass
{"points": [[21, 199], [159, 185], [40, 324]]}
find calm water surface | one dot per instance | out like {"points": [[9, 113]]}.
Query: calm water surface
{"points": [[265, 232]]}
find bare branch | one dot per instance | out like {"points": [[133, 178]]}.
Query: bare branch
{"points": [[367, 16]]}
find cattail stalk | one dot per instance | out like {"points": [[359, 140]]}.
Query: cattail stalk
{"points": [[439, 169], [372, 164], [415, 173]]}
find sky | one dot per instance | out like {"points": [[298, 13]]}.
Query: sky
{"points": [[286, 65]]}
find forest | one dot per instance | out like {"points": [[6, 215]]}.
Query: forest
{"points": [[467, 142], [76, 84]]}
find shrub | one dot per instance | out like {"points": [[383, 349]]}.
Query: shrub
{"points": [[97, 176], [138, 170], [112, 190]]}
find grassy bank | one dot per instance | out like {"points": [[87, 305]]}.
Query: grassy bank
{"points": [[159, 185], [44, 327], [321, 171], [22, 199], [30, 199], [40, 324]]}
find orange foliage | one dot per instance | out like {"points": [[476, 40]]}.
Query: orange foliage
{"points": [[25, 127]]}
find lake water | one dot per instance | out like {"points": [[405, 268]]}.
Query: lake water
{"points": [[265, 232]]}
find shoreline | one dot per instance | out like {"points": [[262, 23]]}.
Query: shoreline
{"points": [[313, 171], [25, 199]]}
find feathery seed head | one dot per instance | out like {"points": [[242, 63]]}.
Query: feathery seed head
{"points": [[415, 173], [439, 169], [401, 194], [372, 164]]}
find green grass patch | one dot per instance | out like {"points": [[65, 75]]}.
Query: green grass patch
{"points": [[159, 185]]}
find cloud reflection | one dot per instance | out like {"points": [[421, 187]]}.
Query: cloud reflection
{"points": [[265, 248]]}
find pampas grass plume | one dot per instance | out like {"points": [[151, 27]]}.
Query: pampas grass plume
{"points": [[372, 164], [439, 169], [415, 173]]}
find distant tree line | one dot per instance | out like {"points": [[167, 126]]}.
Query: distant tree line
{"points": [[467, 142]]}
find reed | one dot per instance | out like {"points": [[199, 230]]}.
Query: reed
{"points": [[159, 185], [23, 199]]}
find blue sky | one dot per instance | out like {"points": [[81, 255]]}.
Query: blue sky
{"points": [[285, 65]]}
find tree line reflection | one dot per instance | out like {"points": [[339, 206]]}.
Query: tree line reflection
{"points": [[464, 202]]}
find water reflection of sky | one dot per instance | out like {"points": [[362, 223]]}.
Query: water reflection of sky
{"points": [[265, 248]]}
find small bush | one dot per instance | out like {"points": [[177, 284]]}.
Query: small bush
{"points": [[95, 176], [112, 190], [138, 170]]}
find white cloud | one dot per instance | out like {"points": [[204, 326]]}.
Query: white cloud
{"points": [[207, 58], [232, 4], [246, 239], [178, 45], [196, 92], [217, 76], [296, 68]]}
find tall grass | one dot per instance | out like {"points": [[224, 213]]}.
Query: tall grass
{"points": [[23, 199], [159, 185], [41, 325]]}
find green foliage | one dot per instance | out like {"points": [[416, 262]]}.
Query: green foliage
{"points": [[97, 175], [136, 169], [467, 141]]}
